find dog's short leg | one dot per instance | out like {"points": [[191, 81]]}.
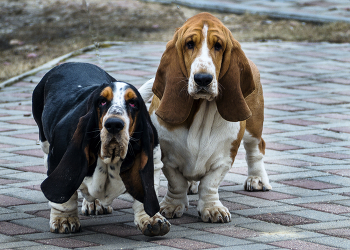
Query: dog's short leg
{"points": [[64, 217], [45, 147], [192, 187], [175, 201], [150, 226], [209, 206], [156, 225], [95, 208], [257, 177]]}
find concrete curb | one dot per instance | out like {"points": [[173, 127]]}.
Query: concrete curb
{"points": [[55, 61], [236, 9]]}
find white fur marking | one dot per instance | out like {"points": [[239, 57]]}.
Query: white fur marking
{"points": [[203, 64]]}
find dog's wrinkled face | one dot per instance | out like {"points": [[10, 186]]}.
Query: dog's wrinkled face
{"points": [[117, 108], [203, 48]]}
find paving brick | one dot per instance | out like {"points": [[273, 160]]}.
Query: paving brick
{"points": [[31, 136], [327, 207], [118, 230], [340, 129], [338, 232], [285, 107], [32, 152], [36, 169], [283, 219], [280, 146], [291, 162], [233, 231], [8, 181], [120, 204], [315, 138], [299, 244], [66, 242], [301, 122], [331, 155], [270, 195], [309, 184], [185, 244], [9, 228], [6, 201]]}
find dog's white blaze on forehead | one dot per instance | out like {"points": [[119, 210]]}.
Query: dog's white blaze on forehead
{"points": [[118, 94], [204, 56], [118, 101], [203, 63]]}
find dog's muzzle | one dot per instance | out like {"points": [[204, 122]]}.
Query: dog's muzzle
{"points": [[114, 140]]}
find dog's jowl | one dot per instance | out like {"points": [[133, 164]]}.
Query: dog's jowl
{"points": [[98, 138]]}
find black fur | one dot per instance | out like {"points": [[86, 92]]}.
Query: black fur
{"points": [[65, 104]]}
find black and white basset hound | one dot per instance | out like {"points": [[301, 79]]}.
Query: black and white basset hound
{"points": [[97, 137]]}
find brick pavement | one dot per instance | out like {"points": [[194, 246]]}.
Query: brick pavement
{"points": [[307, 132], [303, 10]]}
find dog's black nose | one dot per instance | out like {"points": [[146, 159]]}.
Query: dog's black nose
{"points": [[114, 125], [203, 79]]}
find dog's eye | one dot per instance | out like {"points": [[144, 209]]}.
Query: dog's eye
{"points": [[103, 102], [132, 103], [190, 45], [217, 46]]}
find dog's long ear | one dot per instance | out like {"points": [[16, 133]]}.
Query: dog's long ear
{"points": [[236, 81], [137, 170], [70, 167], [170, 84]]}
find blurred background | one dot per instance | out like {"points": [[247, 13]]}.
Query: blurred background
{"points": [[33, 32]]}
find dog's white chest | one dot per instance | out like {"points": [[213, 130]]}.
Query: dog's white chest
{"points": [[105, 184], [204, 145]]}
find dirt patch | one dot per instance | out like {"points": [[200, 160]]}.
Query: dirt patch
{"points": [[33, 32]]}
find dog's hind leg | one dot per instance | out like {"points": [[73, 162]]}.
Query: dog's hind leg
{"points": [[257, 177], [64, 217]]}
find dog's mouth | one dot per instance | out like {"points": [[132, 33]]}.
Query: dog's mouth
{"points": [[203, 93], [114, 150]]}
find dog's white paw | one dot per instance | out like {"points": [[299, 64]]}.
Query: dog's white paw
{"points": [[255, 183], [154, 226], [95, 208], [174, 209], [215, 213], [70, 224]]}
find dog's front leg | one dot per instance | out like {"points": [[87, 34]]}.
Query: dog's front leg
{"points": [[64, 217], [209, 206], [156, 225], [175, 201]]}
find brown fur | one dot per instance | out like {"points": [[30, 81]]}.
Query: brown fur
{"points": [[129, 94], [107, 93], [232, 67]]}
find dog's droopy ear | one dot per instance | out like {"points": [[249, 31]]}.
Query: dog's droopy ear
{"points": [[137, 172], [170, 85], [72, 167], [236, 79]]}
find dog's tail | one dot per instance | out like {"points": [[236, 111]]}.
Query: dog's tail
{"points": [[146, 90]]}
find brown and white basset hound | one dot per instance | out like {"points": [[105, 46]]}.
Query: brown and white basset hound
{"points": [[97, 137], [207, 98]]}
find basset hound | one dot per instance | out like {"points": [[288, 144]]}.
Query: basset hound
{"points": [[207, 98], [97, 137]]}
